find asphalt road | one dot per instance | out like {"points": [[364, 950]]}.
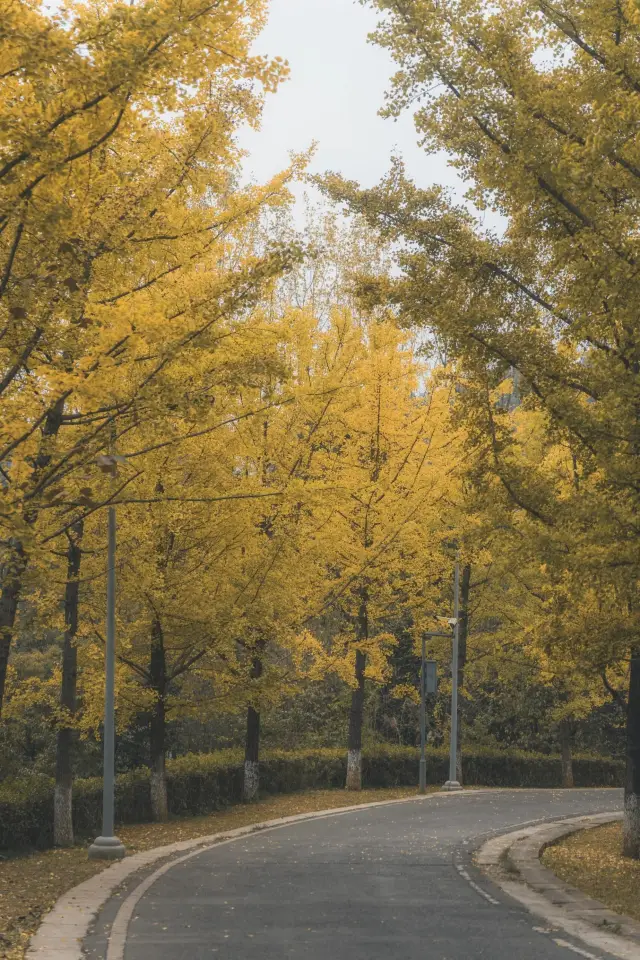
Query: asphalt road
{"points": [[378, 884]]}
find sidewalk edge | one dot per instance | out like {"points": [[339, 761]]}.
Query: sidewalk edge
{"points": [[512, 862]]}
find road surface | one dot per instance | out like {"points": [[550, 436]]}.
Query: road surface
{"points": [[382, 883]]}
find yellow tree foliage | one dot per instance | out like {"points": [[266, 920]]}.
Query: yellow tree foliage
{"points": [[389, 465], [120, 227], [537, 102]]}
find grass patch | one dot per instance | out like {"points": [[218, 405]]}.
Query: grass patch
{"points": [[30, 884], [591, 861]]}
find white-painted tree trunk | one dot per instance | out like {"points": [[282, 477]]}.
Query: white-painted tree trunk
{"points": [[159, 799], [63, 815], [354, 770], [356, 712], [251, 782]]}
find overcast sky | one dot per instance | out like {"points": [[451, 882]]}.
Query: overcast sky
{"points": [[336, 88]]}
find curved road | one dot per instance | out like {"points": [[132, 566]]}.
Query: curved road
{"points": [[382, 883]]}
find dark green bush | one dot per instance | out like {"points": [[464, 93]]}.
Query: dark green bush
{"points": [[199, 784], [26, 813]]}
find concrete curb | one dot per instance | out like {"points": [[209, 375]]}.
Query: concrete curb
{"points": [[512, 861], [60, 935]]}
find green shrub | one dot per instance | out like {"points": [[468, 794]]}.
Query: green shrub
{"points": [[199, 784], [26, 813]]}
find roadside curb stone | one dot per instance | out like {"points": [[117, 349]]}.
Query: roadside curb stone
{"points": [[512, 861]]}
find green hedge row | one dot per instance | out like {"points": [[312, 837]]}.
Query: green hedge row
{"points": [[200, 784]]}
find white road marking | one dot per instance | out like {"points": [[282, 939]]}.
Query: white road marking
{"points": [[478, 889], [581, 953]]}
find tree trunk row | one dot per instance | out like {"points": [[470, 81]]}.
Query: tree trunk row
{"points": [[63, 822]]}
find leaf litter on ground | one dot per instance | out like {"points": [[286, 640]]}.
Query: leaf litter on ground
{"points": [[592, 861]]}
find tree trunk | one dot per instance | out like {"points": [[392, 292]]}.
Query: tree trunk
{"points": [[463, 634], [16, 563], [354, 743], [631, 825], [356, 713], [11, 586], [251, 782], [63, 795], [157, 727], [565, 733]]}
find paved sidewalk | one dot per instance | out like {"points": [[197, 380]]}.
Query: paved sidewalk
{"points": [[512, 860]]}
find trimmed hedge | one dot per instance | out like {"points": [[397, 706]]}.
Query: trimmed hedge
{"points": [[199, 784]]}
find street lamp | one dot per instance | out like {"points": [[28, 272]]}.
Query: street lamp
{"points": [[107, 846], [427, 686]]}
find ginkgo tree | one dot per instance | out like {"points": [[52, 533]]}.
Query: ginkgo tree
{"points": [[178, 502], [540, 601], [389, 463], [118, 227], [536, 102]]}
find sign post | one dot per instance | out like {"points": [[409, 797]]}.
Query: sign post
{"points": [[428, 684]]}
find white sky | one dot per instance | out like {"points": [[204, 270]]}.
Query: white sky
{"points": [[337, 86]]}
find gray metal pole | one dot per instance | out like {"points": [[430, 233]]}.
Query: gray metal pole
{"points": [[452, 783], [423, 721], [107, 846]]}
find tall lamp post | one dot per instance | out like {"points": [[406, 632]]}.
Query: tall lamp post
{"points": [[452, 783], [107, 846]]}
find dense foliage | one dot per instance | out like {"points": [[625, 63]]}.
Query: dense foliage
{"points": [[302, 432]]}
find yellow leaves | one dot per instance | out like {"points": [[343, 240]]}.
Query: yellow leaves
{"points": [[632, 10], [291, 456], [269, 72], [538, 110], [135, 257], [309, 655], [28, 692], [130, 697], [404, 691], [377, 649], [592, 861]]}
